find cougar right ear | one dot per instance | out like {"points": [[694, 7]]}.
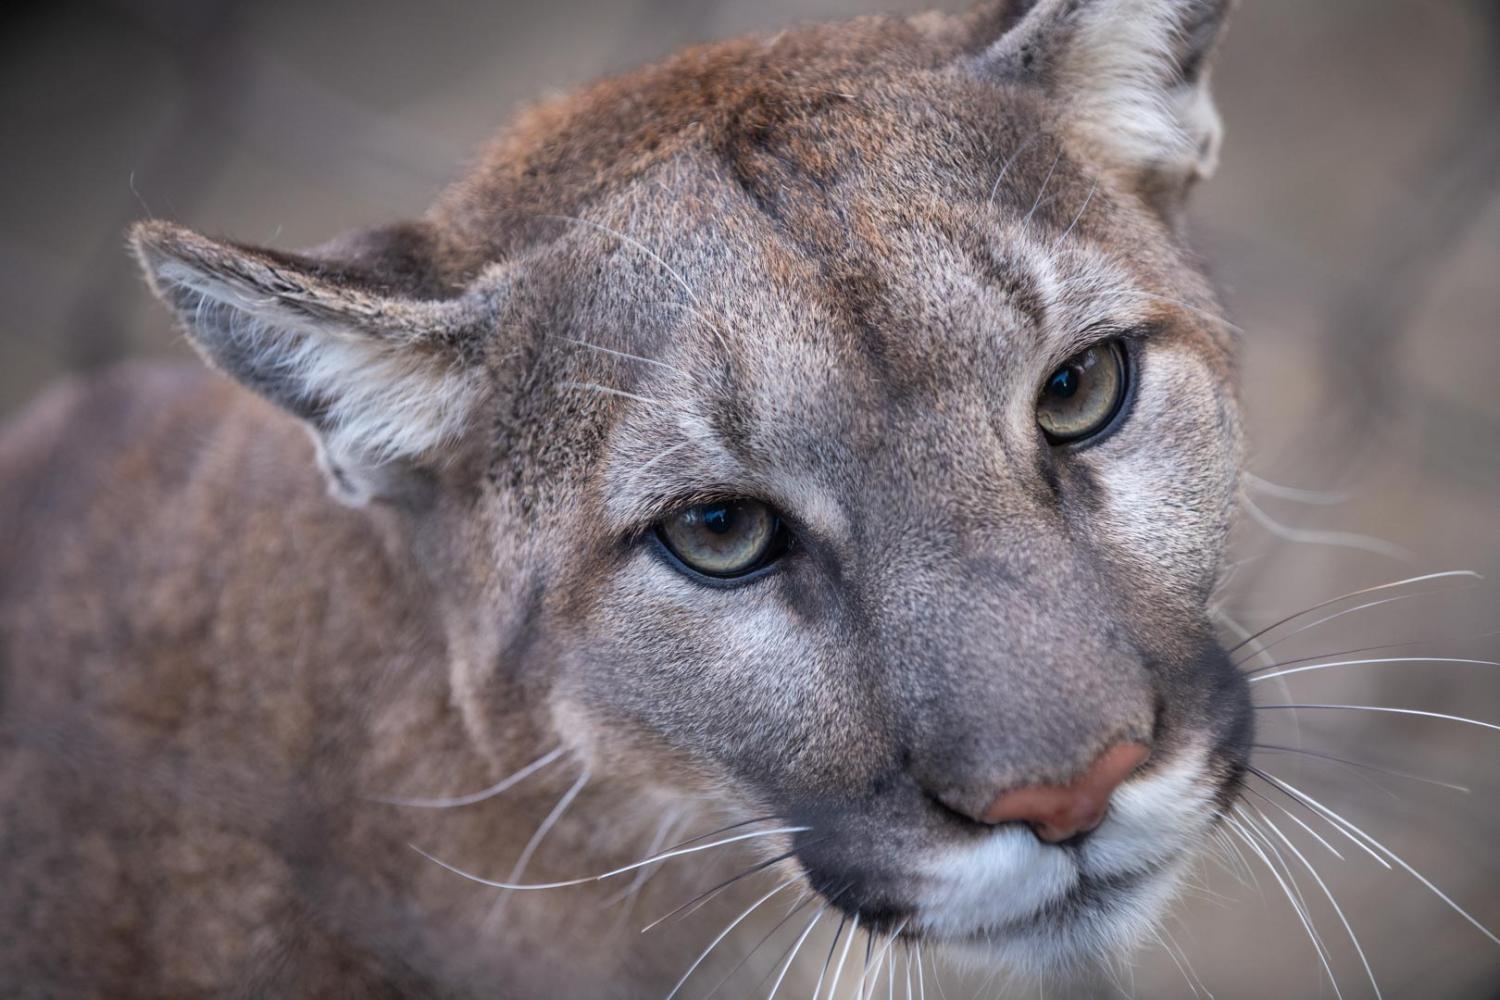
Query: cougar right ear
{"points": [[1131, 79], [353, 338]]}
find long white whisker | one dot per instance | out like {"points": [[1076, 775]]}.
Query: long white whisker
{"points": [[536, 838], [1388, 853], [1188, 962], [995, 187], [1331, 818], [1155, 933], [886, 948], [1042, 191], [1355, 593], [663, 831], [1331, 901], [1317, 498], [802, 900], [1362, 765], [680, 852], [1346, 611], [1394, 711], [625, 355], [843, 957], [606, 390], [724, 934], [1297, 907], [1337, 539], [1066, 232], [453, 802], [791, 958], [1360, 663], [1274, 664], [827, 962], [1294, 818]]}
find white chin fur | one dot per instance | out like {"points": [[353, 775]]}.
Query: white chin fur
{"points": [[980, 896]]}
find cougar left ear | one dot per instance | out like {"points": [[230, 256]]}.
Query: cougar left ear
{"points": [[357, 338], [1130, 78]]}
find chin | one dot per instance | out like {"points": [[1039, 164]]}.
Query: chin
{"points": [[1075, 936]]}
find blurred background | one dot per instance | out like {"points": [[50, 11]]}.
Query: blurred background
{"points": [[1354, 228]]}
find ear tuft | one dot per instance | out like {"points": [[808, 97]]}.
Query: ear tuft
{"points": [[380, 377], [1131, 78]]}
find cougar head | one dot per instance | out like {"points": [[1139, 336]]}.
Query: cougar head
{"points": [[835, 425]]}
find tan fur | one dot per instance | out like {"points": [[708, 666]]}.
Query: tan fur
{"points": [[828, 268]]}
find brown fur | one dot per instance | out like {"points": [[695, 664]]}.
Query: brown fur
{"points": [[787, 262]]}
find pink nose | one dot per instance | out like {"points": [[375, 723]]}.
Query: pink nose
{"points": [[1059, 812]]}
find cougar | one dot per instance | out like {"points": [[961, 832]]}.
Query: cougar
{"points": [[792, 474]]}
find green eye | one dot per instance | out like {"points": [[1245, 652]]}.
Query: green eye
{"points": [[725, 539], [1082, 397]]}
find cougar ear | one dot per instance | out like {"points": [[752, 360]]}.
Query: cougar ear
{"points": [[355, 338], [1131, 78]]}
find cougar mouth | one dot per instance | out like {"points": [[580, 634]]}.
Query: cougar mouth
{"points": [[1006, 897]]}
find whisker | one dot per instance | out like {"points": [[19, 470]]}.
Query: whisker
{"points": [[843, 957], [723, 934], [1295, 819], [1393, 711], [796, 947], [1347, 611], [1041, 191], [886, 950], [697, 901], [625, 355], [1337, 539], [725, 829], [1354, 940], [1347, 834], [541, 833], [797, 908], [663, 830], [453, 802], [1316, 498], [636, 244], [609, 874], [1365, 765], [1155, 933], [606, 390], [1360, 663], [1298, 906], [1363, 649], [1309, 800], [995, 187], [818, 989], [1354, 593], [1092, 188]]}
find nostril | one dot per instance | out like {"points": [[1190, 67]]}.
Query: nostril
{"points": [[1058, 813]]}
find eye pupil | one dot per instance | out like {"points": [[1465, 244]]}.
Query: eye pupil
{"points": [[1063, 383], [717, 519]]}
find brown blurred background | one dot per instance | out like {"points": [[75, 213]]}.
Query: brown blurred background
{"points": [[1354, 227]]}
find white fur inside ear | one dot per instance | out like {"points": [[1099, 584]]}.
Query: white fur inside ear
{"points": [[1122, 77], [1131, 76], [377, 400]]}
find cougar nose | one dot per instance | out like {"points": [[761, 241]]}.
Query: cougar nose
{"points": [[1059, 812]]}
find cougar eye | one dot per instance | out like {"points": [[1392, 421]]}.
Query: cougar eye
{"points": [[725, 539], [1084, 394]]}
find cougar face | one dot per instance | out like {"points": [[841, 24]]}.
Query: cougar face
{"points": [[833, 426]]}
